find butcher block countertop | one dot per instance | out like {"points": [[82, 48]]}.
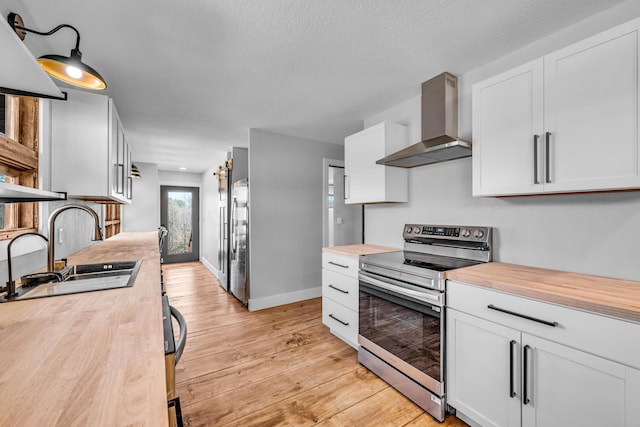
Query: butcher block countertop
{"points": [[611, 297], [357, 250], [88, 359]]}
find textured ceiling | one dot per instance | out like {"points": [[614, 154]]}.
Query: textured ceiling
{"points": [[189, 78]]}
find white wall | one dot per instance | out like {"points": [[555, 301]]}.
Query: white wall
{"points": [[143, 213], [587, 233], [210, 221], [285, 198]]}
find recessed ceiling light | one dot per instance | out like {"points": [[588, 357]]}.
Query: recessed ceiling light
{"points": [[182, 168]]}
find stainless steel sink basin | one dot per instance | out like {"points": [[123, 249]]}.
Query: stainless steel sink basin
{"points": [[87, 278]]}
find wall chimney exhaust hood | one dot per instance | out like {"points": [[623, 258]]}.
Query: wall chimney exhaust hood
{"points": [[440, 141]]}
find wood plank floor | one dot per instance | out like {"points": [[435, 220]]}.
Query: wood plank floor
{"points": [[273, 367]]}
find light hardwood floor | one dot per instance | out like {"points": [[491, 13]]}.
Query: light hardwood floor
{"points": [[273, 367]]}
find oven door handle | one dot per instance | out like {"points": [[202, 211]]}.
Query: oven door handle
{"points": [[422, 296]]}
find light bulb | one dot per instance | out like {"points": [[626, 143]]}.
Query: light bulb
{"points": [[73, 72]]}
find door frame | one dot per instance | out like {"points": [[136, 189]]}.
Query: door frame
{"points": [[326, 164], [195, 220]]}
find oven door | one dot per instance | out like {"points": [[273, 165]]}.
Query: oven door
{"points": [[404, 326]]}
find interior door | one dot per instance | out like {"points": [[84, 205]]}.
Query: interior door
{"points": [[343, 222], [179, 212]]}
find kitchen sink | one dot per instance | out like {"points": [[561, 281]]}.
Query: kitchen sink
{"points": [[86, 278]]}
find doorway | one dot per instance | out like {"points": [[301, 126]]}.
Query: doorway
{"points": [[179, 212], [342, 223]]}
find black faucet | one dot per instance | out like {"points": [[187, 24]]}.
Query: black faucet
{"points": [[10, 288]]}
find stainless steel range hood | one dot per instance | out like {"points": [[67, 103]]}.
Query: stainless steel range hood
{"points": [[440, 140]]}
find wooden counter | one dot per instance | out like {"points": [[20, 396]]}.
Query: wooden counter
{"points": [[357, 250], [611, 297], [91, 359]]}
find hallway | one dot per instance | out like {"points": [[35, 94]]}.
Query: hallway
{"points": [[279, 366]]}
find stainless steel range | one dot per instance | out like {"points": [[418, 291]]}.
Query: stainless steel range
{"points": [[401, 308]]}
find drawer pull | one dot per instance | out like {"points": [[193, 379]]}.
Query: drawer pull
{"points": [[338, 320], [338, 265], [524, 316], [338, 289]]}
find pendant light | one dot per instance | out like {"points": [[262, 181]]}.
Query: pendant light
{"points": [[135, 172], [70, 69]]}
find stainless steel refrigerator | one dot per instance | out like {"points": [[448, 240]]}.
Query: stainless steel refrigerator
{"points": [[234, 169], [224, 178], [239, 251]]}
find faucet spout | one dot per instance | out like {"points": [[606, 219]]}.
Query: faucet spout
{"points": [[10, 288], [97, 234]]}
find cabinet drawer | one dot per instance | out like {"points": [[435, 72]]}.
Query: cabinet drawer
{"points": [[340, 288], [340, 264], [342, 321], [611, 338]]}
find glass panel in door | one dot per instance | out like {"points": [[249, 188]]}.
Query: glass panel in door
{"points": [[179, 213]]}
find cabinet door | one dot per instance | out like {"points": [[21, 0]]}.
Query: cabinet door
{"points": [[483, 370], [80, 145], [568, 387], [128, 178], [591, 113], [366, 181], [507, 132], [116, 176]]}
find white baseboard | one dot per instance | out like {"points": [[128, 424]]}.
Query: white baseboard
{"points": [[209, 266], [282, 299]]}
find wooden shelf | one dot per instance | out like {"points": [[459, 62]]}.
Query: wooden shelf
{"points": [[111, 219]]}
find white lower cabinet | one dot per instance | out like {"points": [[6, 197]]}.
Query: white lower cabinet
{"points": [[340, 296], [478, 380], [568, 387], [499, 375]]}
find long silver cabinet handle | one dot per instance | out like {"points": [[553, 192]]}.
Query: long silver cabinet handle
{"points": [[547, 137], [338, 265], [338, 320], [338, 289], [524, 316], [536, 179]]}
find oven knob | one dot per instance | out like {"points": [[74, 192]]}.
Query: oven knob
{"points": [[478, 234], [466, 233], [408, 230], [417, 230]]}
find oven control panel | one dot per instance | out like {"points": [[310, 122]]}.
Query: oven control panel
{"points": [[467, 233]]}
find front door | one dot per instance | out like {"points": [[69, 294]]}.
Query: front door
{"points": [[179, 209]]}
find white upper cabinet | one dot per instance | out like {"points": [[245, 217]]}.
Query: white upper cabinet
{"points": [[567, 122], [366, 181], [90, 156], [507, 123]]}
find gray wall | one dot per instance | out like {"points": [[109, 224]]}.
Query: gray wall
{"points": [[143, 214], [587, 233], [285, 198], [209, 222]]}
